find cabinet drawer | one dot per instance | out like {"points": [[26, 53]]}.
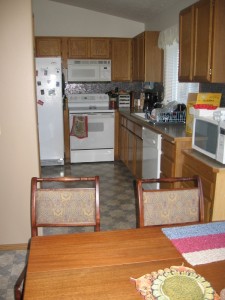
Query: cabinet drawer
{"points": [[167, 166], [168, 149]]}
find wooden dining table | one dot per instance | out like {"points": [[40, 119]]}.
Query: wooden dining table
{"points": [[100, 265]]}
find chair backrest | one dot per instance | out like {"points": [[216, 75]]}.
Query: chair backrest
{"points": [[65, 202], [183, 204]]}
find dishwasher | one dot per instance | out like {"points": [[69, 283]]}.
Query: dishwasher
{"points": [[151, 156]]}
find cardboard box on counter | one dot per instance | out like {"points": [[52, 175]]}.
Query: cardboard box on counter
{"points": [[199, 98]]}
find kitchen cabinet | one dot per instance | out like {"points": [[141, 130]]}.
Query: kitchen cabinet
{"points": [[116, 136], [147, 57], [51, 46], [172, 156], [48, 46], [121, 59], [138, 57], [78, 48], [83, 48], [100, 48], [131, 146], [201, 42], [131, 142], [212, 176]]}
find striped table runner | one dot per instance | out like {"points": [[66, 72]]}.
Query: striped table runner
{"points": [[199, 244]]}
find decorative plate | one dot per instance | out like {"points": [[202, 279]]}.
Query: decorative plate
{"points": [[175, 283]]}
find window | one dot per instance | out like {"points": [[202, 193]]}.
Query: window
{"points": [[173, 89]]}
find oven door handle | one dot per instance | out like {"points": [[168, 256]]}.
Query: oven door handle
{"points": [[102, 115]]}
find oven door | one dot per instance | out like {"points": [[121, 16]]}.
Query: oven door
{"points": [[99, 143]]}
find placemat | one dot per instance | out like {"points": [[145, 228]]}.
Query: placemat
{"points": [[175, 283], [199, 244]]}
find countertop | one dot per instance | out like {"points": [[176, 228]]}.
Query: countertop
{"points": [[171, 131]]}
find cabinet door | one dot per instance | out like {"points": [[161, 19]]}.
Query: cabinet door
{"points": [[207, 186], [147, 57], [100, 48], [168, 158], [48, 46], [203, 35], [138, 157], [121, 59], [135, 59], [124, 144], [153, 63], [130, 151], [186, 39], [139, 57], [117, 135], [78, 48]]}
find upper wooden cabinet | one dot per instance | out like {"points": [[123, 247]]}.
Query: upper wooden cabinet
{"points": [[201, 42], [88, 48], [100, 48], [121, 59], [51, 46], [147, 57], [48, 46], [138, 57], [78, 48]]}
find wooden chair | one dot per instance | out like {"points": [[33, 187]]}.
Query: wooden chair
{"points": [[173, 205], [62, 202]]}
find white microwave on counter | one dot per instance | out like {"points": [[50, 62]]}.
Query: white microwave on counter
{"points": [[208, 137], [89, 70]]}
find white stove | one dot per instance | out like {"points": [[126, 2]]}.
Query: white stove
{"points": [[82, 103], [91, 128]]}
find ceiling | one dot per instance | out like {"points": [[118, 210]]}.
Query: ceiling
{"points": [[135, 10]]}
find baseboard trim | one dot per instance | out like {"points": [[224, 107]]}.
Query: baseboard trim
{"points": [[13, 247]]}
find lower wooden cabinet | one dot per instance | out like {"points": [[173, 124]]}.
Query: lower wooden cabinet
{"points": [[172, 157], [131, 146], [213, 179]]}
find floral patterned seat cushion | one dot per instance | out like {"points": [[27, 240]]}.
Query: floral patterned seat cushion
{"points": [[170, 207], [70, 206]]}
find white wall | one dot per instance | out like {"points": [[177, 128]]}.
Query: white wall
{"points": [[168, 18], [18, 130], [56, 19]]}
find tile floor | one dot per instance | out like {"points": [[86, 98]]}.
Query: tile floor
{"points": [[117, 209]]}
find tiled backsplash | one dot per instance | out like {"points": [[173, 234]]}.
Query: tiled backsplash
{"points": [[86, 88], [137, 87]]}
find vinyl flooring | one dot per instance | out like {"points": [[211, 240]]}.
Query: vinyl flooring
{"points": [[117, 210]]}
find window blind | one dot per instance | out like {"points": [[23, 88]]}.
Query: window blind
{"points": [[173, 89]]}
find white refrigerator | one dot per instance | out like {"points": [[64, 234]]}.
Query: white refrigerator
{"points": [[50, 110]]}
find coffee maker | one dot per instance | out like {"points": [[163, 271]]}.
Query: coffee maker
{"points": [[150, 101]]}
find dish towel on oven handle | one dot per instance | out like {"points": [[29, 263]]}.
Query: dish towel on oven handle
{"points": [[79, 126]]}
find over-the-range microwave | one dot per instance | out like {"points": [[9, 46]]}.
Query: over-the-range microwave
{"points": [[208, 137], [88, 70]]}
